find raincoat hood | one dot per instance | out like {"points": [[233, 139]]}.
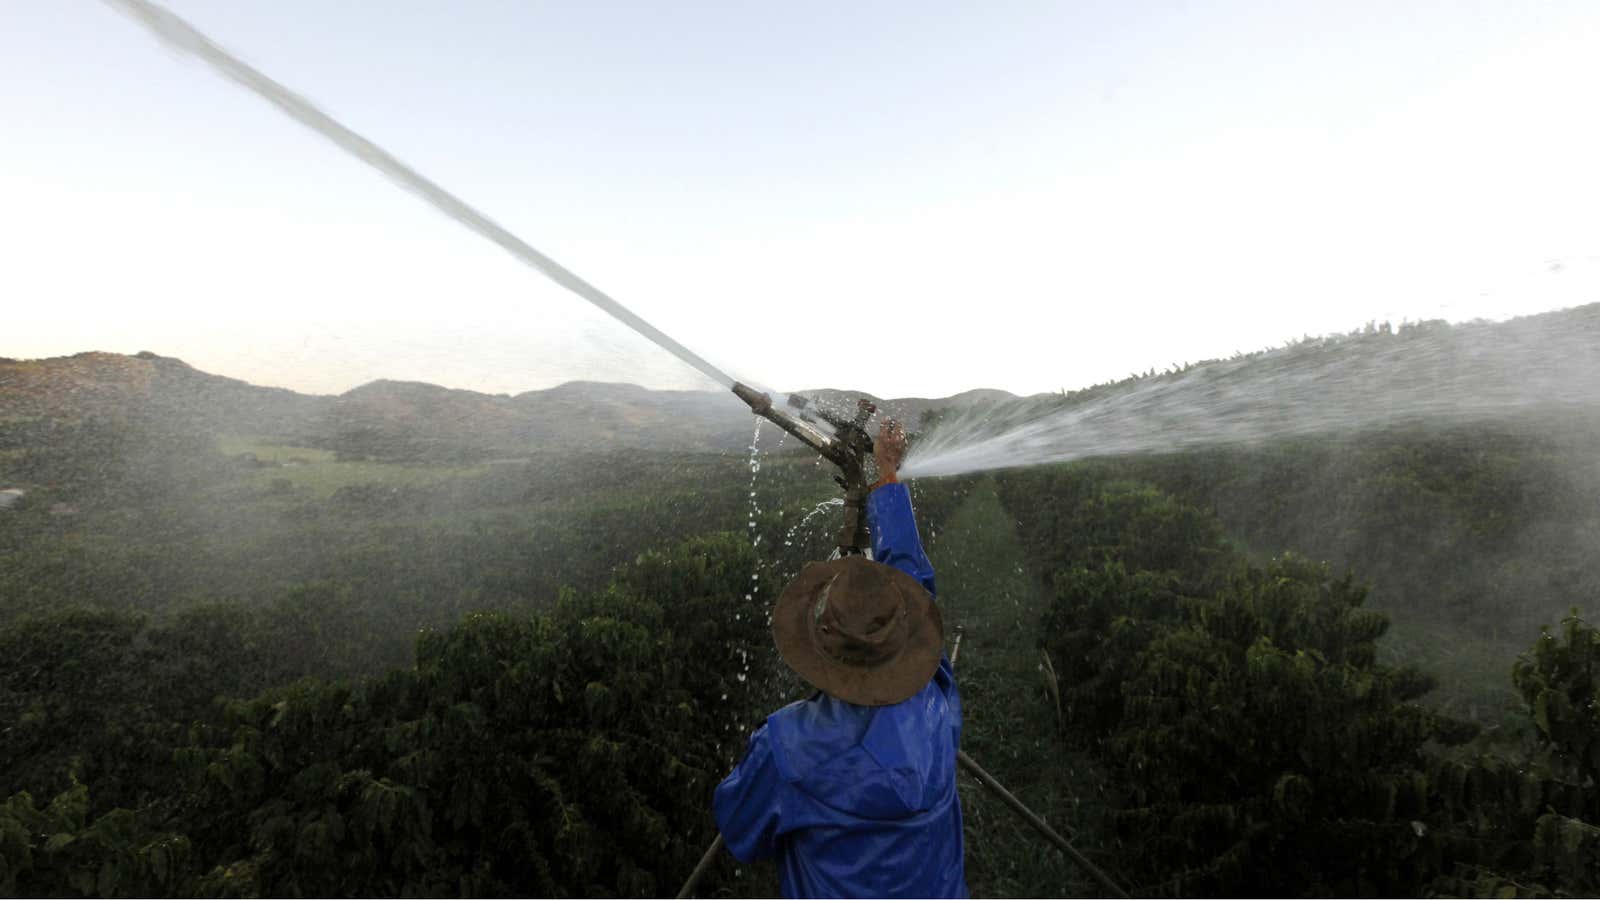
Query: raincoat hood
{"points": [[874, 767]]}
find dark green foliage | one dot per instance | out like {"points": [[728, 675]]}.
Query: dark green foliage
{"points": [[106, 460], [1256, 746], [570, 752], [1264, 751], [1526, 818], [69, 710], [1254, 743], [1560, 680], [102, 695], [59, 846]]}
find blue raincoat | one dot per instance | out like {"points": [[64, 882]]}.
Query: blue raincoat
{"points": [[857, 801]]}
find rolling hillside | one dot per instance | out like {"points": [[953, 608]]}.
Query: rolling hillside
{"points": [[393, 420]]}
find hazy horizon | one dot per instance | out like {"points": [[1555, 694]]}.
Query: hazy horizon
{"points": [[403, 380], [717, 390]]}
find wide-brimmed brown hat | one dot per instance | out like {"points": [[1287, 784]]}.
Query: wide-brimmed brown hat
{"points": [[861, 631]]}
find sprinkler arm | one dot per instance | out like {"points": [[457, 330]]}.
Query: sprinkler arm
{"points": [[761, 405], [848, 449]]}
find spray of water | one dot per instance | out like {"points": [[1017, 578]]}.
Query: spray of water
{"points": [[799, 528], [1428, 373], [183, 36]]}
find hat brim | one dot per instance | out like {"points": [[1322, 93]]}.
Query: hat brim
{"points": [[895, 679]]}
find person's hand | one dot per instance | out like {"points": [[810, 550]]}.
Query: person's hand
{"points": [[888, 450]]}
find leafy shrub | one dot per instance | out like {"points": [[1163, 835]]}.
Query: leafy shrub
{"points": [[1256, 745], [1560, 680], [570, 752], [112, 856]]}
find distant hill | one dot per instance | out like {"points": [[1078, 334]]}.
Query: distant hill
{"points": [[1426, 368], [150, 388], [395, 419], [398, 420]]}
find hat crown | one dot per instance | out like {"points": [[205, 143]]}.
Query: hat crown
{"points": [[861, 631], [859, 617]]}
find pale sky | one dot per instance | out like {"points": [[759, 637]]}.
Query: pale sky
{"points": [[912, 199]]}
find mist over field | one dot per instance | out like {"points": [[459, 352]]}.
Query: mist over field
{"points": [[410, 639]]}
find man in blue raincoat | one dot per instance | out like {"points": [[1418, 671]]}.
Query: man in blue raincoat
{"points": [[854, 790]]}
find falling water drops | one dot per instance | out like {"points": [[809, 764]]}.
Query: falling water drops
{"points": [[755, 510]]}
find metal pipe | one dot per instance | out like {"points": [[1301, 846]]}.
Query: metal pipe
{"points": [[1039, 824], [701, 868], [761, 404]]}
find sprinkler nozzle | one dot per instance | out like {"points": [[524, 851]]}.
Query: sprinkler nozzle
{"points": [[759, 402]]}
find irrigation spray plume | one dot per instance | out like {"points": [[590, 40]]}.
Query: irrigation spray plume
{"points": [[183, 36], [1438, 375]]}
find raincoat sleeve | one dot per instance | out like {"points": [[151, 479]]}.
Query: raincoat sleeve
{"points": [[894, 533], [748, 804]]}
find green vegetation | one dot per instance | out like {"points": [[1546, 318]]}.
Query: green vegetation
{"points": [[1473, 671], [1471, 538], [1492, 526], [252, 665], [267, 451], [1252, 743], [993, 599], [554, 753]]}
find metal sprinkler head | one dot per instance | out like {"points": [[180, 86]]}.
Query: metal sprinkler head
{"points": [[848, 448]]}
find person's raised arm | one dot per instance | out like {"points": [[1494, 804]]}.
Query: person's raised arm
{"points": [[889, 518]]}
